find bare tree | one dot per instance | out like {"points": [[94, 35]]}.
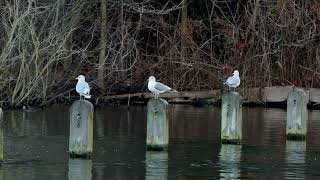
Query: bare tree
{"points": [[184, 29], [103, 44]]}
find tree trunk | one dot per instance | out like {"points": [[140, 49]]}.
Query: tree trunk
{"points": [[184, 23], [103, 44], [122, 63]]}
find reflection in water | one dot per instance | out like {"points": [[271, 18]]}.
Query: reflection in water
{"points": [[1, 140], [189, 122], [120, 121], [48, 122], [156, 165], [295, 159], [1, 173], [80, 169], [263, 126], [313, 133], [35, 146], [15, 128], [229, 161], [1, 148], [99, 124]]}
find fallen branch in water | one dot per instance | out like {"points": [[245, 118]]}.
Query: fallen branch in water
{"points": [[183, 94], [272, 94]]}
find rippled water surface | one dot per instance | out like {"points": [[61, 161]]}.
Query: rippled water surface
{"points": [[36, 144]]}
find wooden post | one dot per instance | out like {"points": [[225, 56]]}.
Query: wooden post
{"points": [[297, 114], [157, 125], [231, 118], [80, 169], [81, 129]]}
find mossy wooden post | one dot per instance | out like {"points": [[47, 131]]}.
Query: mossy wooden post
{"points": [[81, 129], [297, 114], [231, 118], [157, 125]]}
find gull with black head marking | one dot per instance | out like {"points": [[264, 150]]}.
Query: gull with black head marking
{"points": [[157, 87], [82, 87], [233, 81]]}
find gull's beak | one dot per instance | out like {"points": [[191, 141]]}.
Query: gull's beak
{"points": [[77, 78]]}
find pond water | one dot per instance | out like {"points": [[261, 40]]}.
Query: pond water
{"points": [[36, 144]]}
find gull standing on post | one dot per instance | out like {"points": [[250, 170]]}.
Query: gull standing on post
{"points": [[234, 80], [157, 87], [82, 87]]}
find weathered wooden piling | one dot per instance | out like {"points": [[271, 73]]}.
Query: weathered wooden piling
{"points": [[157, 125], [297, 114], [231, 118], [81, 129]]}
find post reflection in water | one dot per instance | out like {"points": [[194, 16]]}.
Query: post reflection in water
{"points": [[36, 146], [80, 169], [1, 140], [229, 161], [295, 159], [1, 173], [1, 148], [189, 122], [156, 165]]}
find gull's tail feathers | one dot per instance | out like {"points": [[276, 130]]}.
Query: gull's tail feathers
{"points": [[173, 90], [88, 96]]}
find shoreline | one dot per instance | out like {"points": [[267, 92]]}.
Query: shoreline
{"points": [[269, 97]]}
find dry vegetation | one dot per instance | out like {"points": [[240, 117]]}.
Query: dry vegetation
{"points": [[45, 44]]}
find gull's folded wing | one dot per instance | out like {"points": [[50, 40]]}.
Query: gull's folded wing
{"points": [[232, 80], [161, 87]]}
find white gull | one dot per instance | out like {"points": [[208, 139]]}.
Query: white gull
{"points": [[82, 87], [157, 87], [234, 80]]}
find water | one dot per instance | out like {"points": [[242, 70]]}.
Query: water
{"points": [[36, 146]]}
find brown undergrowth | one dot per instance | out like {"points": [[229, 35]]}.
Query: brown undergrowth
{"points": [[45, 45]]}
